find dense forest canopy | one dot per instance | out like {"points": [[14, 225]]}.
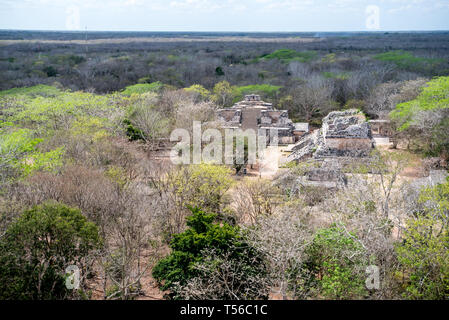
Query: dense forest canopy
{"points": [[84, 177]]}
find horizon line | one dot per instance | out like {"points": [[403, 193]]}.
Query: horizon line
{"points": [[230, 31]]}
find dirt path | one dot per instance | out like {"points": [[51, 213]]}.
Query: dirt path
{"points": [[270, 162]]}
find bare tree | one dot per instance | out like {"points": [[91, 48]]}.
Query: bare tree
{"points": [[151, 124], [132, 249], [381, 100], [255, 199], [127, 218], [223, 277], [357, 210], [282, 238], [310, 100], [188, 112], [386, 96], [387, 166]]}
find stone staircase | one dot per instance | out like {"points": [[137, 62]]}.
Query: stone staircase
{"points": [[249, 119]]}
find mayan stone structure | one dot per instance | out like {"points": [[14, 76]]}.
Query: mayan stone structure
{"points": [[382, 132], [328, 174], [253, 113], [343, 134], [381, 128]]}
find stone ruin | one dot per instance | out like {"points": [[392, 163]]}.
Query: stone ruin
{"points": [[382, 131], [343, 134], [328, 175], [343, 137], [253, 113], [381, 128]]}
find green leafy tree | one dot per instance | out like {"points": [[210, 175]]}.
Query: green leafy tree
{"points": [[219, 71], [201, 92], [38, 247], [189, 259], [336, 261], [288, 55], [50, 71], [407, 61], [265, 90], [424, 252], [143, 88], [145, 121], [202, 185], [20, 156], [425, 119], [39, 90], [46, 109], [223, 94]]}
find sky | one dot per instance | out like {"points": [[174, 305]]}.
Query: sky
{"points": [[225, 15]]}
